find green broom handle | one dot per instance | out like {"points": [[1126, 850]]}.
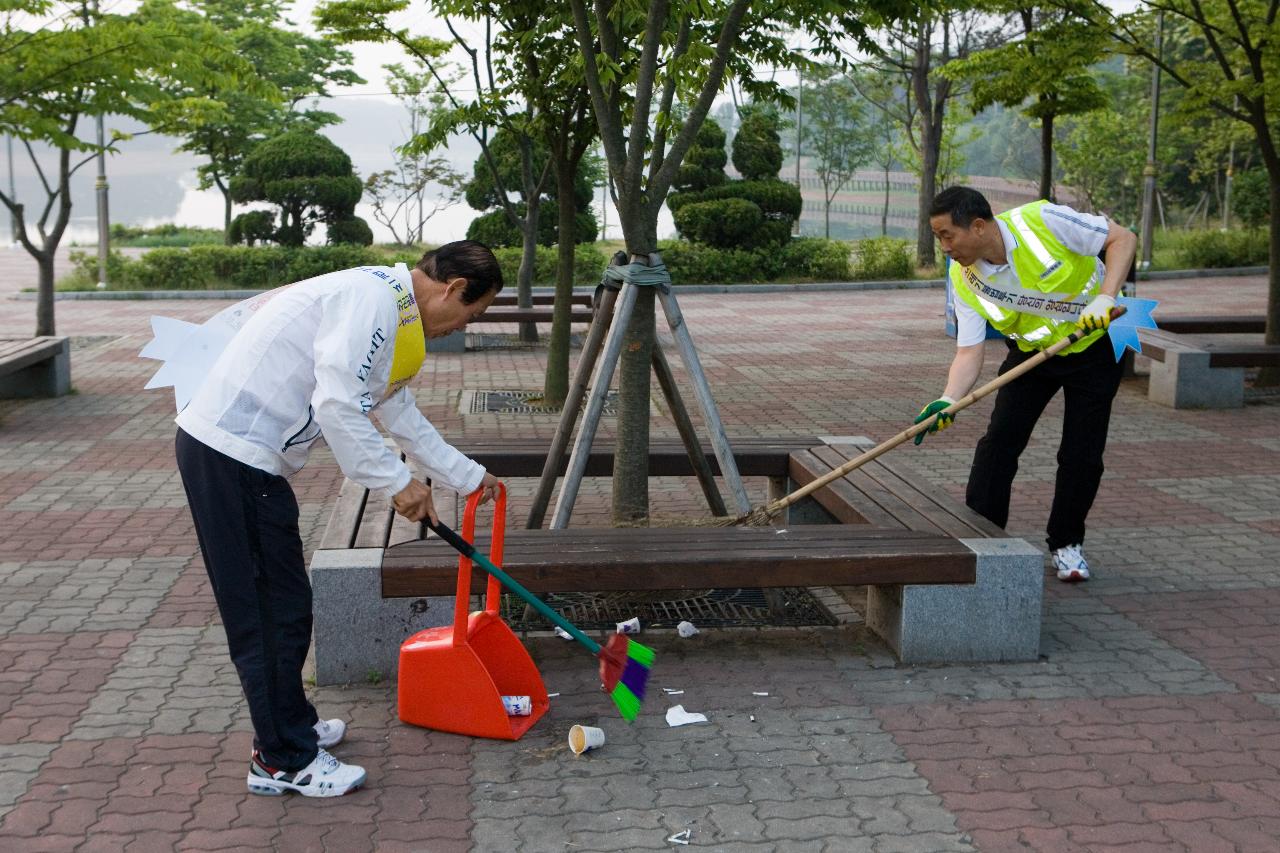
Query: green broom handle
{"points": [[469, 551]]}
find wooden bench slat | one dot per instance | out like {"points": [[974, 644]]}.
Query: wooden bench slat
{"points": [[427, 567], [1209, 324], [375, 523], [841, 498], [904, 511], [340, 532], [666, 458], [1243, 355], [947, 515], [29, 352], [510, 299], [530, 315], [568, 547]]}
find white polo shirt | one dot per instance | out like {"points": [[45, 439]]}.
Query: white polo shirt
{"points": [[1082, 233]]}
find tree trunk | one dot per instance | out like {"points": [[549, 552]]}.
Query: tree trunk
{"points": [[826, 215], [884, 214], [1270, 376], [1046, 158], [226, 217], [932, 146], [555, 387], [631, 457], [524, 279], [44, 293]]}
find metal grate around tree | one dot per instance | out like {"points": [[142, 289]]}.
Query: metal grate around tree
{"points": [[713, 608]]}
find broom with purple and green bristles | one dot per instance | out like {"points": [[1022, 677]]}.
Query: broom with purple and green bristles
{"points": [[624, 663]]}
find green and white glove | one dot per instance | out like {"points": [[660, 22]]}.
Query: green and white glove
{"points": [[932, 409], [1097, 314]]}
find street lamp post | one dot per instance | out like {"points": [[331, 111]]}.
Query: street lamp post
{"points": [[100, 186]]}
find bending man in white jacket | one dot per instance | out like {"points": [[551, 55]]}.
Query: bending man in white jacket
{"points": [[316, 358]]}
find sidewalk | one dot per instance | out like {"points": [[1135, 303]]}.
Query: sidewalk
{"points": [[1151, 723]]}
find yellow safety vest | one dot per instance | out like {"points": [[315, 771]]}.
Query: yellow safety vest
{"points": [[409, 350], [1054, 282]]}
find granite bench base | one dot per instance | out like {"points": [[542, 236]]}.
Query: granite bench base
{"points": [[49, 375], [358, 633]]}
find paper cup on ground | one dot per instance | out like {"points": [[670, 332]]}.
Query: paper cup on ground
{"points": [[518, 706], [686, 629], [631, 626], [585, 738]]}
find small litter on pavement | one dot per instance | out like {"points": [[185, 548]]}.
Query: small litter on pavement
{"points": [[631, 626], [686, 629], [759, 693], [563, 634], [681, 837], [678, 716]]}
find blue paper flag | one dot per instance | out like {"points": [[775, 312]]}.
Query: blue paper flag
{"points": [[1124, 330]]}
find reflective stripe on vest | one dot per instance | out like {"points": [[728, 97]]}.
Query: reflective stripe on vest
{"points": [[1052, 285]]}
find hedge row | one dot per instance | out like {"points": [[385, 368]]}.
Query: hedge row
{"points": [[808, 258], [252, 267], [1217, 249]]}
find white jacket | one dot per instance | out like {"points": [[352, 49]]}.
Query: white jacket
{"points": [[315, 359]]}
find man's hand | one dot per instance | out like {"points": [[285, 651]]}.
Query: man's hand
{"points": [[1097, 314], [414, 502], [935, 408], [489, 488]]}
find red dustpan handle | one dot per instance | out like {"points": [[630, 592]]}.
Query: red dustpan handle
{"points": [[493, 597]]}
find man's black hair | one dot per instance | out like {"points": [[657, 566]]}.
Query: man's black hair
{"points": [[467, 259], [964, 204]]}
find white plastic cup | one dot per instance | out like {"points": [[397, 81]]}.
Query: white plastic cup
{"points": [[585, 738], [518, 706], [686, 629], [631, 626]]}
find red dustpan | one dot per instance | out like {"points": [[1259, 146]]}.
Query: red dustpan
{"points": [[453, 678]]}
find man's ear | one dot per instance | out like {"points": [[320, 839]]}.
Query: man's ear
{"points": [[455, 285]]}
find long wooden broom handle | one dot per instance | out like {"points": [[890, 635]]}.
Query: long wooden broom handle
{"points": [[963, 403]]}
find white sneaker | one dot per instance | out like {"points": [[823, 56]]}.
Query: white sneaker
{"points": [[1071, 564], [325, 776], [330, 733]]}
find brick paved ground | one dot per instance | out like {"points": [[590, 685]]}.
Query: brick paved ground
{"points": [[1152, 723]]}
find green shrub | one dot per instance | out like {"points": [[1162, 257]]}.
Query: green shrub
{"points": [[167, 234], [350, 230], [84, 271], [724, 222], [495, 230], [703, 164], [884, 259], [1250, 197], [818, 259], [222, 267], [253, 227], [1217, 249], [812, 259], [778, 199], [757, 149], [721, 219], [588, 265]]}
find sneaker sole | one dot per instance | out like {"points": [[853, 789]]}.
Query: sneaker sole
{"points": [[268, 788], [1072, 577]]}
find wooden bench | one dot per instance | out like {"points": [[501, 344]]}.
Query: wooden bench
{"points": [[35, 367], [996, 618], [1192, 371], [509, 299], [505, 310], [377, 579]]}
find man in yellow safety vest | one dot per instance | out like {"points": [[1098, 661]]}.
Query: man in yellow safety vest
{"points": [[1034, 274]]}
